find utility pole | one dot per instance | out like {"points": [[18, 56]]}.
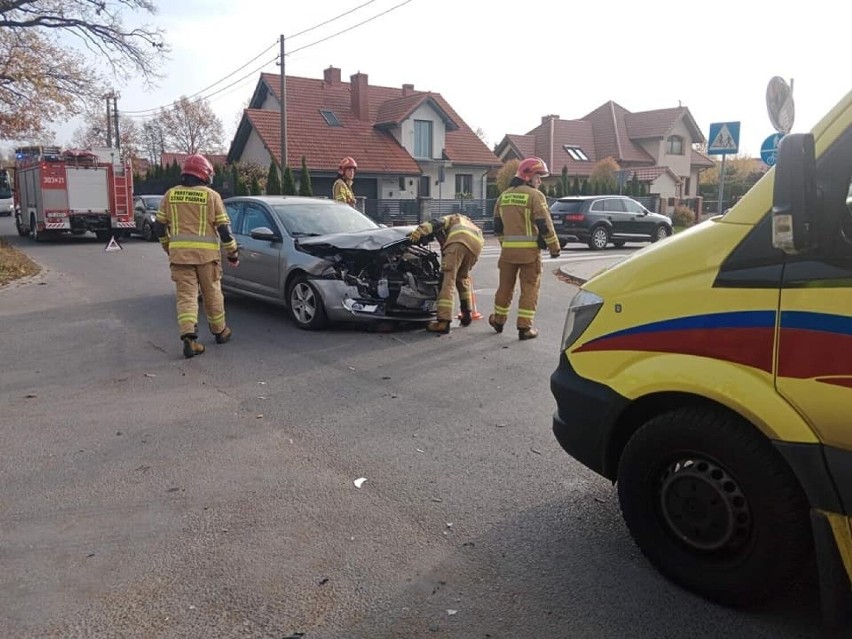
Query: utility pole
{"points": [[109, 122], [283, 111], [115, 117]]}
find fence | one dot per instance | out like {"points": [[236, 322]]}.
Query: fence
{"points": [[404, 212]]}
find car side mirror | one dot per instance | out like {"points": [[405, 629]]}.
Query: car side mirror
{"points": [[794, 196], [265, 234]]}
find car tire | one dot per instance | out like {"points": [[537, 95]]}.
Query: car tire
{"points": [[661, 233], [305, 304], [599, 238], [713, 506], [148, 232], [619, 243]]}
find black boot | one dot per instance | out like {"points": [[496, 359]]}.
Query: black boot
{"points": [[492, 321], [191, 347], [466, 316]]}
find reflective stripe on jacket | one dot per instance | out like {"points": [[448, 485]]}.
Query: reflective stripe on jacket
{"points": [[456, 228], [518, 210], [191, 215]]}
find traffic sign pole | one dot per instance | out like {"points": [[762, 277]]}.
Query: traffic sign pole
{"points": [[722, 186]]}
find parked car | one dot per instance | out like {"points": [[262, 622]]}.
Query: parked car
{"points": [[144, 211], [599, 220], [325, 261]]}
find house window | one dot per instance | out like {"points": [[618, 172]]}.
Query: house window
{"points": [[464, 185], [576, 153], [423, 138], [330, 118], [675, 145]]}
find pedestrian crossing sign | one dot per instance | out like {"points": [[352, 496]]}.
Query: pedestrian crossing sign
{"points": [[724, 138], [113, 245]]}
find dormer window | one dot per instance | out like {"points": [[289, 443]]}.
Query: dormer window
{"points": [[423, 138], [675, 145], [330, 118], [577, 154]]}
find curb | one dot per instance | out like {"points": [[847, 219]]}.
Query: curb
{"points": [[569, 278]]}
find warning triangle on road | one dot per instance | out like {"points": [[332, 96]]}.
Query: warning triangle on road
{"points": [[113, 245]]}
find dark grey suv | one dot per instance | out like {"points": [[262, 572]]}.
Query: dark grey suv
{"points": [[599, 220]]}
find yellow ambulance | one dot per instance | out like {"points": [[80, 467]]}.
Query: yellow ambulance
{"points": [[710, 377]]}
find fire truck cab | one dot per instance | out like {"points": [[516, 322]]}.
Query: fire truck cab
{"points": [[72, 191]]}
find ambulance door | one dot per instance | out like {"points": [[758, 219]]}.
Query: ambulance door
{"points": [[814, 348]]}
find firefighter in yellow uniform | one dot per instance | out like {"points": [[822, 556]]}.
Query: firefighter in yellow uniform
{"points": [[461, 243], [342, 189], [190, 225], [521, 217]]}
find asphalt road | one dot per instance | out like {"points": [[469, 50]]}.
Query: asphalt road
{"points": [[145, 495]]}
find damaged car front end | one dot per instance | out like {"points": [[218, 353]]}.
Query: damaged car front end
{"points": [[383, 275], [327, 262]]}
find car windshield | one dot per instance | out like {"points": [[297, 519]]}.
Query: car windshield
{"points": [[567, 207], [153, 203], [313, 218]]}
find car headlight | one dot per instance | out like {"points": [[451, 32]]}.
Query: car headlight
{"points": [[582, 310]]}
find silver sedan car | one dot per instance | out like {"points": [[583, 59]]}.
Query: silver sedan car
{"points": [[326, 262]]}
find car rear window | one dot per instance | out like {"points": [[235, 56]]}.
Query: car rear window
{"points": [[572, 206]]}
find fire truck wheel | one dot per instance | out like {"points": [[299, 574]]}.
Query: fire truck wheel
{"points": [[713, 506], [23, 231], [34, 234], [103, 236]]}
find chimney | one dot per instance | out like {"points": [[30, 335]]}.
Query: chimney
{"points": [[331, 76], [547, 118], [360, 98], [407, 89]]}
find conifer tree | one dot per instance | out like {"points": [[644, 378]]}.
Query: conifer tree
{"points": [[273, 181], [288, 185], [305, 187]]}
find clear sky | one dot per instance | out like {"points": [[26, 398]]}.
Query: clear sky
{"points": [[504, 65]]}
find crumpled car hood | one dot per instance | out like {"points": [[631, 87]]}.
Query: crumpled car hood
{"points": [[369, 240]]}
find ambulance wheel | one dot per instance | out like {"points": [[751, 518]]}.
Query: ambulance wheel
{"points": [[305, 304], [599, 238], [713, 506]]}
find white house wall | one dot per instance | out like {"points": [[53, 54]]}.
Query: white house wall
{"points": [[439, 134], [254, 151], [664, 186], [679, 164]]}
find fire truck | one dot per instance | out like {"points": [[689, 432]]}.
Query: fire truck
{"points": [[72, 191]]}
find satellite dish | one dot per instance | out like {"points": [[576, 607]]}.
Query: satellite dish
{"points": [[779, 104]]}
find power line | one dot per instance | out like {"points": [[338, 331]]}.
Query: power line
{"points": [[148, 113], [322, 24], [355, 26], [228, 86], [197, 93]]}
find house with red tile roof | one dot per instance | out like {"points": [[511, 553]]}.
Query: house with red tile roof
{"points": [[408, 144], [656, 146]]}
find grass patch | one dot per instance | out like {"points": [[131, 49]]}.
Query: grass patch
{"points": [[15, 264]]}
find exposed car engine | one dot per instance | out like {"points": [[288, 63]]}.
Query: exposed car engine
{"points": [[402, 278]]}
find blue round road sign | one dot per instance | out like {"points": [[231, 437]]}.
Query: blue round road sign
{"points": [[769, 148]]}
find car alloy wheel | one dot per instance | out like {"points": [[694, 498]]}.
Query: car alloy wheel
{"points": [[599, 239], [306, 305], [661, 234]]}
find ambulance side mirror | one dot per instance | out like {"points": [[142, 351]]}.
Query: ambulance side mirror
{"points": [[794, 199]]}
